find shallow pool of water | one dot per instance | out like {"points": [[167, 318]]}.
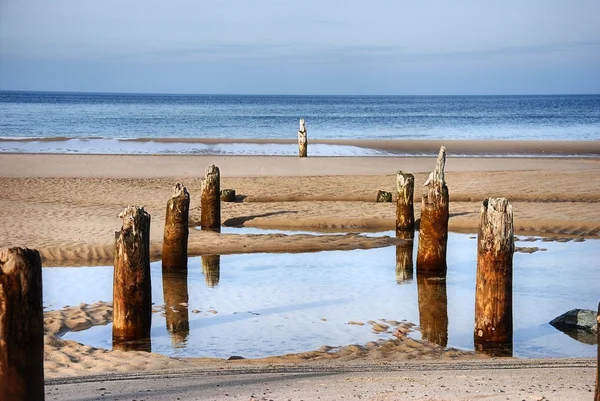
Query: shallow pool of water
{"points": [[257, 305]]}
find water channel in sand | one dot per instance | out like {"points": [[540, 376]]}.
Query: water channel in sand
{"points": [[257, 305]]}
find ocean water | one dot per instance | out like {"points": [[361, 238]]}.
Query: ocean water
{"points": [[98, 122]]}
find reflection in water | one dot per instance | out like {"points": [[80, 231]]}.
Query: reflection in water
{"points": [[404, 263], [433, 308], [132, 345], [211, 267], [495, 349], [175, 291]]}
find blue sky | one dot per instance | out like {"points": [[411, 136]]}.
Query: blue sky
{"points": [[301, 47]]}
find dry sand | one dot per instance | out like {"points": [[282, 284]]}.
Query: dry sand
{"points": [[66, 206]]}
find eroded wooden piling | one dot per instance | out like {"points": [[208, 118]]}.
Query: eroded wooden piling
{"points": [[175, 240], [493, 292], [21, 325], [210, 201], [132, 296], [228, 195], [433, 230], [405, 214], [302, 140], [211, 267], [433, 307], [175, 292]]}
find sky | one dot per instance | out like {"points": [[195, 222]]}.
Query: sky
{"points": [[376, 47]]}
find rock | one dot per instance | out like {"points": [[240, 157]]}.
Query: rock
{"points": [[235, 358], [384, 196], [577, 319]]}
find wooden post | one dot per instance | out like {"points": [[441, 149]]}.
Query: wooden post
{"points": [[228, 195], [404, 263], [211, 267], [302, 140], [433, 308], [132, 296], [21, 325], [383, 197], [175, 292], [175, 240], [405, 215], [597, 392], [433, 232], [493, 292], [210, 201]]}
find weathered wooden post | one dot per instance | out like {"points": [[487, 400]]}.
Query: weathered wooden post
{"points": [[228, 195], [433, 307], [211, 267], [175, 292], [404, 263], [175, 240], [433, 232], [302, 141], [405, 214], [493, 292], [132, 296], [21, 325], [597, 393], [210, 201]]}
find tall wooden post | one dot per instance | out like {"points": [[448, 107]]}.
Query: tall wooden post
{"points": [[21, 325], [175, 240], [433, 308], [302, 140], [597, 393], [493, 292], [210, 201], [404, 263], [211, 267], [433, 232], [132, 296], [405, 215], [175, 291]]}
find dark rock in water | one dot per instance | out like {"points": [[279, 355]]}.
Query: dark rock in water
{"points": [[580, 324], [384, 196], [235, 358]]}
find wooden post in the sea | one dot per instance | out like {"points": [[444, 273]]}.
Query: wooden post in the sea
{"points": [[597, 393], [210, 201], [302, 141], [132, 296], [211, 267], [433, 231], [405, 215], [21, 325], [175, 240], [175, 292], [493, 292]]}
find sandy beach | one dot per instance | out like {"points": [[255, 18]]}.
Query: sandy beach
{"points": [[67, 206]]}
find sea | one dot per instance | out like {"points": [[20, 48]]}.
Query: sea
{"points": [[109, 123]]}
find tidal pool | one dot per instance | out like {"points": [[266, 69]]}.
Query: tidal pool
{"points": [[256, 305]]}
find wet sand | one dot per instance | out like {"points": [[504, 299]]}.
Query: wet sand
{"points": [[66, 206]]}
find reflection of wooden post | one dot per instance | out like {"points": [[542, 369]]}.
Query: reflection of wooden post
{"points": [[493, 293], [597, 393], [404, 263], [433, 232], [175, 291], [21, 325], [210, 201], [433, 308], [211, 267], [302, 141], [405, 215], [132, 296], [175, 240]]}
